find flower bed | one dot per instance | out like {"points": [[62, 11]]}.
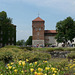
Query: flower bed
{"points": [[37, 68]]}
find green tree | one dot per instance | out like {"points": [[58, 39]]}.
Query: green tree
{"points": [[4, 20], [29, 41], [65, 30], [20, 42], [7, 28]]}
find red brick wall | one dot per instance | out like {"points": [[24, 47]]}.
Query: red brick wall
{"points": [[38, 30]]}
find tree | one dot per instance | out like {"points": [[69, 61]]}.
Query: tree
{"points": [[4, 20], [65, 30], [29, 41], [8, 29], [20, 42]]}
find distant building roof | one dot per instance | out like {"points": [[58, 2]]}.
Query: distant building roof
{"points": [[38, 19], [50, 31]]}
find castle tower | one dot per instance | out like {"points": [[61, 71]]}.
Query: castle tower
{"points": [[38, 32]]}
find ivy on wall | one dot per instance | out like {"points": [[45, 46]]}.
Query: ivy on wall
{"points": [[7, 29]]}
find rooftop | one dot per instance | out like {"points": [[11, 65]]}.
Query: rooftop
{"points": [[50, 31], [38, 19]]}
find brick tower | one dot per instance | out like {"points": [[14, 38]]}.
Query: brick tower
{"points": [[38, 32]]}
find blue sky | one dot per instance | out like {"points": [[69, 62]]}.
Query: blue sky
{"points": [[23, 12]]}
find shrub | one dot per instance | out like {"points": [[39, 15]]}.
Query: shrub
{"points": [[38, 68], [63, 63], [25, 68], [73, 49], [2, 66], [69, 49], [27, 48], [11, 46], [1, 56], [6, 54], [9, 54], [36, 55], [59, 49], [50, 49], [71, 55]]}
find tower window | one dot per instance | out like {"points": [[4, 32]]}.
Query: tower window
{"points": [[37, 38], [39, 28], [36, 29], [37, 33]]}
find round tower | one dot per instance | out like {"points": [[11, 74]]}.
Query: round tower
{"points": [[38, 32]]}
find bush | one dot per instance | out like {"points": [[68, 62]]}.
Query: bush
{"points": [[11, 46], [6, 55], [50, 50], [9, 54], [27, 48], [2, 66], [36, 55], [25, 68], [59, 49], [69, 49], [73, 49], [71, 55], [62, 64]]}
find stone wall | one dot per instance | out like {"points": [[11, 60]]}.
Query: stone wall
{"points": [[38, 42], [59, 54], [50, 39]]}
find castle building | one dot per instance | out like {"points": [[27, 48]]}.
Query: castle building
{"points": [[7, 35], [40, 36], [7, 30]]}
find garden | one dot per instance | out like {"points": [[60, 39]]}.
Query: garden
{"points": [[36, 61]]}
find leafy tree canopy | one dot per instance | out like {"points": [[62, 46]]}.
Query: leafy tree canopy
{"points": [[7, 28], [4, 20], [20, 42], [29, 41], [65, 30]]}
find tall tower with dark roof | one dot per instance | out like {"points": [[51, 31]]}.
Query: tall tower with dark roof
{"points": [[38, 32]]}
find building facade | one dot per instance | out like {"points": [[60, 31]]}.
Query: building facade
{"points": [[38, 31], [7, 35], [43, 37], [40, 36], [50, 37]]}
